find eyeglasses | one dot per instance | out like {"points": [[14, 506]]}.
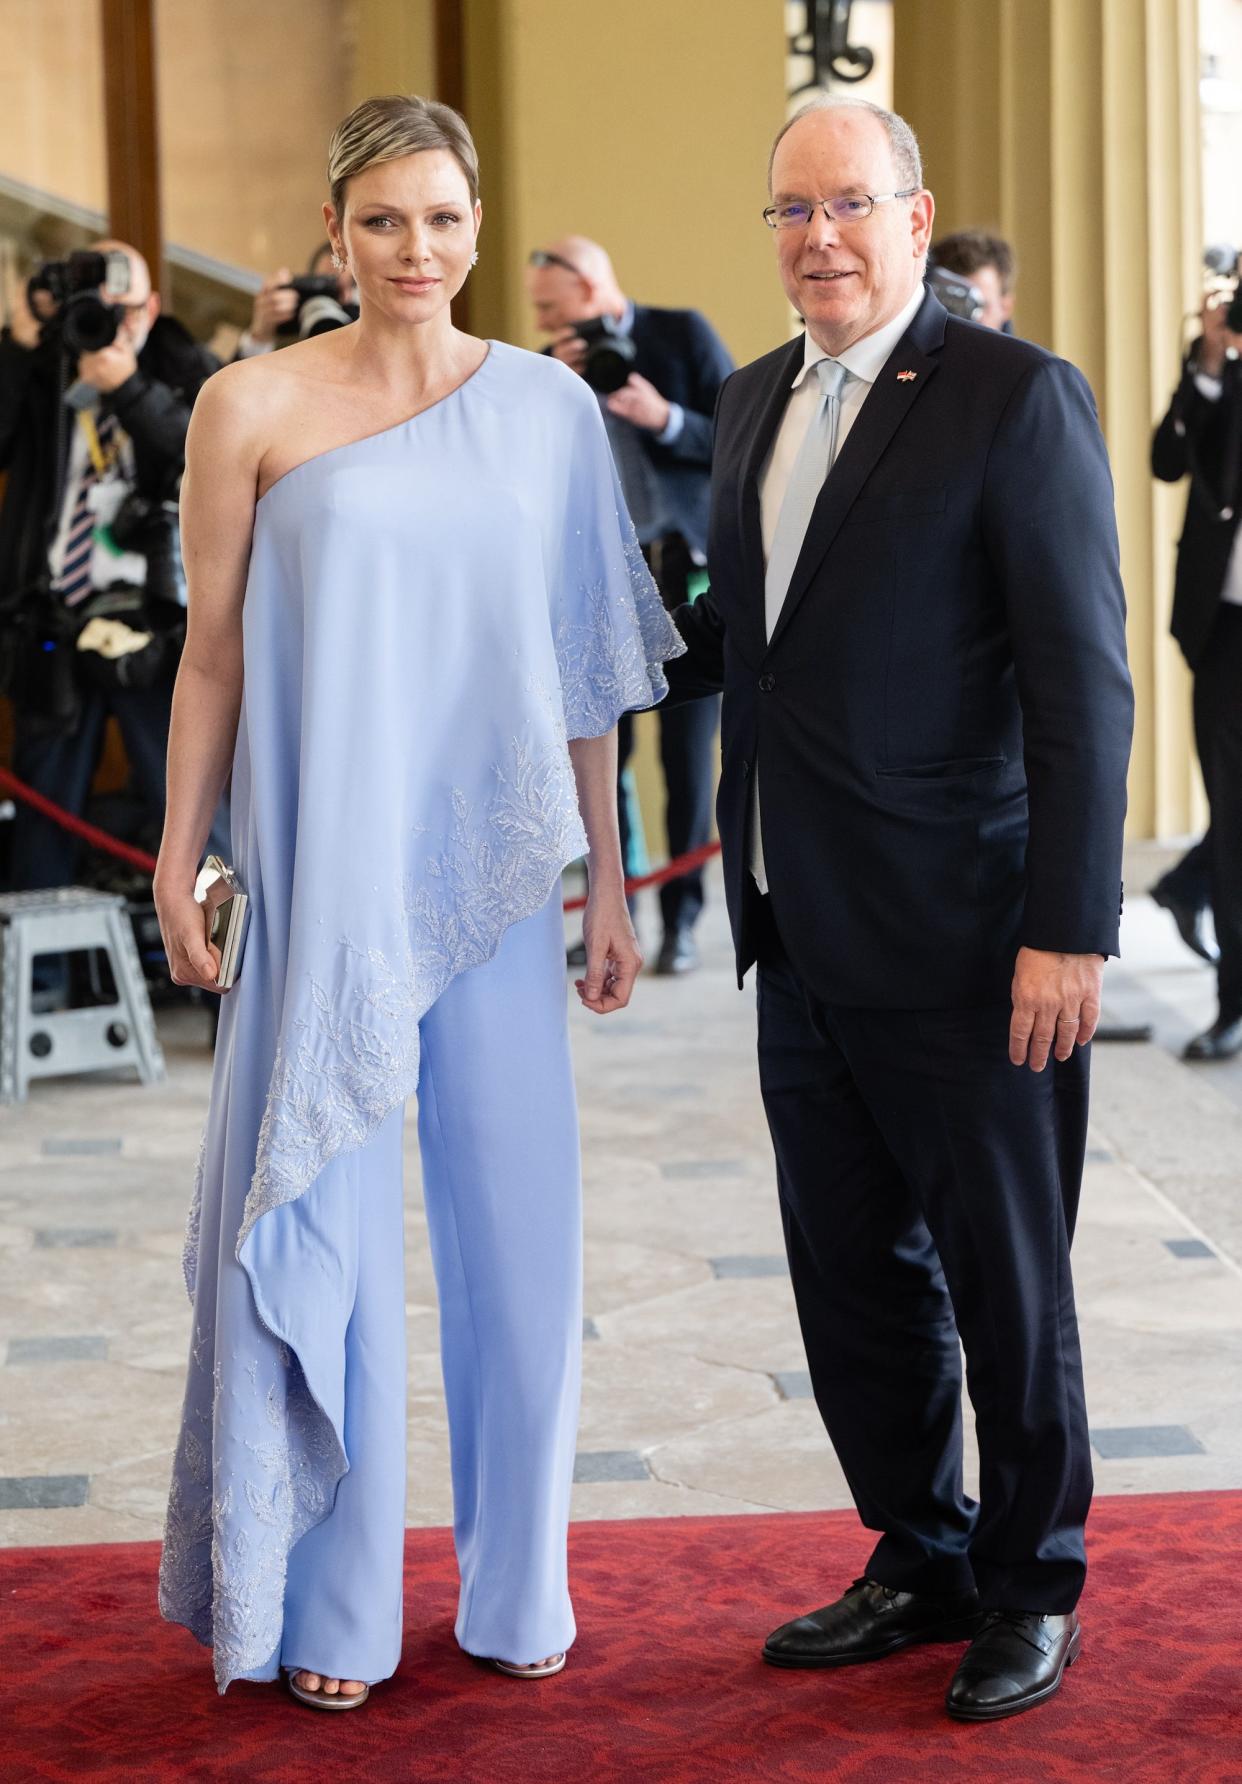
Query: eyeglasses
{"points": [[545, 257], [796, 213]]}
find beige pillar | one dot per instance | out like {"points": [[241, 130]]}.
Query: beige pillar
{"points": [[394, 48], [1072, 127], [646, 126]]}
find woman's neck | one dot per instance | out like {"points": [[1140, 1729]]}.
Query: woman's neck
{"points": [[417, 358]]}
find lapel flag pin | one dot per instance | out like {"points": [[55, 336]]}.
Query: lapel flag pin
{"points": [[905, 377]]}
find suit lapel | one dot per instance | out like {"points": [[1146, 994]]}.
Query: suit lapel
{"points": [[757, 449], [888, 402]]}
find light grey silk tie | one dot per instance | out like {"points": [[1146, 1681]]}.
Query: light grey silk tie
{"points": [[806, 479]]}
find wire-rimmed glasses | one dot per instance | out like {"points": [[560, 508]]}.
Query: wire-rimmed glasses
{"points": [[853, 207]]}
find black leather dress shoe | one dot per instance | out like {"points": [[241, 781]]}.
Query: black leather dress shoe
{"points": [[1191, 920], [1017, 1660], [868, 1623], [1221, 1041], [678, 953]]}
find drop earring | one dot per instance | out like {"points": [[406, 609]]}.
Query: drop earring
{"points": [[474, 258], [338, 263]]}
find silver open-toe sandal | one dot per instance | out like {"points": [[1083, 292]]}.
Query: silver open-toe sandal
{"points": [[325, 1700], [543, 1671]]}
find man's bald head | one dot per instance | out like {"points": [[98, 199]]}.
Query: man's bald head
{"points": [[142, 303], [139, 271], [580, 283]]}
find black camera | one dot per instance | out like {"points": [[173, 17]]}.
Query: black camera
{"points": [[84, 320], [319, 306], [958, 295], [610, 354]]}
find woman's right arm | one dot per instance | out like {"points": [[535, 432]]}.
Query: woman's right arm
{"points": [[217, 521]]}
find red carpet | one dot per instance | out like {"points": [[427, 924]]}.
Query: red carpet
{"points": [[664, 1684]]}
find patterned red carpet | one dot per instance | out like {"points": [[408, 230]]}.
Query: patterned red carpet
{"points": [[665, 1683]]}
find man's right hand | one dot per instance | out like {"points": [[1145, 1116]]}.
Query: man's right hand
{"points": [[272, 306], [1217, 337], [569, 347]]}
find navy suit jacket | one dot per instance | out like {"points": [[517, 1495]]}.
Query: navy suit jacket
{"points": [[1202, 438], [942, 717], [682, 355]]}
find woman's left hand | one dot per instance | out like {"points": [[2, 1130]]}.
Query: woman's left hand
{"points": [[614, 959]]}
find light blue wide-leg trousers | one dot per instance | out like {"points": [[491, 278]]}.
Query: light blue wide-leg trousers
{"points": [[498, 1135]]}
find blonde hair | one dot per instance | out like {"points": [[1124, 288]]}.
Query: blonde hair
{"points": [[387, 128]]}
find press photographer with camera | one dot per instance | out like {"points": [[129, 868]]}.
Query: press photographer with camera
{"points": [[293, 309], [96, 388], [657, 374], [986, 262], [1201, 436]]}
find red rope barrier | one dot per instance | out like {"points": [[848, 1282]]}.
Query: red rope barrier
{"points": [[99, 839], [672, 870]]}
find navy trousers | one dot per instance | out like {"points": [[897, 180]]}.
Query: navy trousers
{"points": [[61, 766], [929, 1190]]}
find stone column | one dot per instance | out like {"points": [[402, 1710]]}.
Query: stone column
{"points": [[1072, 127]]}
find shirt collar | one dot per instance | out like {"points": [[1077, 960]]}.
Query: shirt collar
{"points": [[865, 359]]}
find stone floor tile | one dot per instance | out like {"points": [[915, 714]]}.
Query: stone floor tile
{"points": [[772, 1264], [749, 1323], [1125, 1442], [65, 1525], [780, 1458], [708, 1168], [90, 1347], [619, 1273], [49, 1238], [635, 1395], [42, 1491], [66, 1146], [649, 1498], [609, 1465]]}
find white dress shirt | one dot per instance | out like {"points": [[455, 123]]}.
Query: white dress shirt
{"points": [[864, 361], [1213, 389]]}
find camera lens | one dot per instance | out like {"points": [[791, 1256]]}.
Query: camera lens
{"points": [[90, 324]]}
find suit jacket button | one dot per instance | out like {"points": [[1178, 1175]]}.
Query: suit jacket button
{"points": [[766, 683]]}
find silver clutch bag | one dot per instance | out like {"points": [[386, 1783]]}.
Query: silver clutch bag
{"points": [[226, 911]]}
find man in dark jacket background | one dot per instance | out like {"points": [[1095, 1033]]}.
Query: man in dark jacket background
{"points": [[660, 428], [88, 540], [1202, 436]]}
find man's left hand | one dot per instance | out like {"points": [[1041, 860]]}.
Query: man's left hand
{"points": [[110, 367], [1056, 1005], [640, 402]]}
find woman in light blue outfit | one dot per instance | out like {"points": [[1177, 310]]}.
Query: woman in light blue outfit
{"points": [[415, 544]]}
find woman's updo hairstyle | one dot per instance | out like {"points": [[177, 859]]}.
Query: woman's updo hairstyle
{"points": [[387, 128]]}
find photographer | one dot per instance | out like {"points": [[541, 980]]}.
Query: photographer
{"points": [[988, 262], [288, 309], [96, 388], [1202, 436], [657, 374]]}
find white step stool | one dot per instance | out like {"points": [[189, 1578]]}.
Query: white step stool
{"points": [[34, 1045]]}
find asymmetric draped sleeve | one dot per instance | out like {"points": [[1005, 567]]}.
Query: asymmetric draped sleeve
{"points": [[430, 615]]}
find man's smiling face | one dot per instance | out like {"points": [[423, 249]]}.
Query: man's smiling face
{"points": [[847, 279]]}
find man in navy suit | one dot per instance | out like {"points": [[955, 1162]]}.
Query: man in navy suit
{"points": [[917, 619], [660, 427]]}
